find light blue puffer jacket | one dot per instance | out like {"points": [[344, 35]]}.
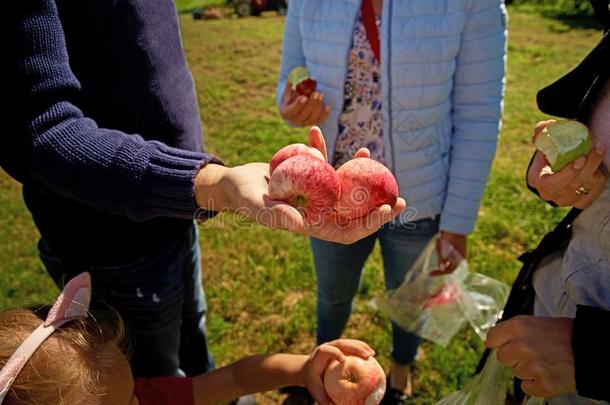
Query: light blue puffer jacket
{"points": [[442, 71]]}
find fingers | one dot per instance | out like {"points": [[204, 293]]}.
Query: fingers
{"points": [[540, 127], [290, 110], [590, 165], [561, 187], [289, 94], [499, 335], [362, 152], [279, 215], [596, 186], [313, 110], [353, 347], [361, 227], [316, 140], [318, 392], [324, 354]]}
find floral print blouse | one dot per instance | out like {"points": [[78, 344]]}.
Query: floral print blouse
{"points": [[361, 122]]}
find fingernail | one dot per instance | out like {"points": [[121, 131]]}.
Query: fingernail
{"points": [[600, 148], [579, 163], [302, 100]]}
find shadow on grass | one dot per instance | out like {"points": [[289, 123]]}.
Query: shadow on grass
{"points": [[570, 17], [577, 20]]}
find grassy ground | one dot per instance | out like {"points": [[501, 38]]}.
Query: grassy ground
{"points": [[260, 284]]}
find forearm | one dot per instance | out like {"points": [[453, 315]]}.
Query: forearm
{"points": [[53, 145], [247, 376]]}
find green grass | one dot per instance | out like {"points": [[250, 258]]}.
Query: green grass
{"points": [[260, 284], [185, 6]]}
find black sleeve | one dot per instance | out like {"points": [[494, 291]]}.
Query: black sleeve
{"points": [[591, 345]]}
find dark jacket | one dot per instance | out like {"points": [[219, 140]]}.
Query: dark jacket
{"points": [[101, 125]]}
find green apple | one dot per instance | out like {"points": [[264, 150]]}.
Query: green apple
{"points": [[563, 142]]}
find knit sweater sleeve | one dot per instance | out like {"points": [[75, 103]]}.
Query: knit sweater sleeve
{"points": [[61, 149]]}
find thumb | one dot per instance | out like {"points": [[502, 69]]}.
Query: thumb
{"points": [[289, 95], [363, 152], [316, 140], [318, 392]]}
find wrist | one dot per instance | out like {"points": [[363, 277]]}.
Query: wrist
{"points": [[209, 188], [300, 377]]}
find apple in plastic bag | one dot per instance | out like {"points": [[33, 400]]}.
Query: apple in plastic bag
{"points": [[563, 142], [355, 382], [300, 80]]}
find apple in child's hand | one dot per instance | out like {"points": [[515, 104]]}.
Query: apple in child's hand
{"points": [[365, 185], [355, 382], [301, 81], [563, 142], [289, 151], [307, 183]]}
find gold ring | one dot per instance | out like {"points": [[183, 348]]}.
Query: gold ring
{"points": [[583, 190]]}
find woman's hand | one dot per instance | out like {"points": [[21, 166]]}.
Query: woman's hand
{"points": [[576, 185], [301, 110], [312, 373], [539, 351]]}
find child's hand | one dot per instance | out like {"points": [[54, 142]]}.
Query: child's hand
{"points": [[313, 370], [302, 110]]}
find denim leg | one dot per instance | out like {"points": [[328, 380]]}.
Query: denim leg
{"points": [[338, 268], [151, 295], [401, 245], [193, 342]]}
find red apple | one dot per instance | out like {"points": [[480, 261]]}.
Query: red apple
{"points": [[301, 81], [448, 294], [355, 382], [365, 185], [308, 184], [289, 151]]}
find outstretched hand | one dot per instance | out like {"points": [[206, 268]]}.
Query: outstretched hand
{"points": [[244, 190]]}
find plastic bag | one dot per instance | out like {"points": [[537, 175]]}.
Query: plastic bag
{"points": [[435, 304], [487, 388]]}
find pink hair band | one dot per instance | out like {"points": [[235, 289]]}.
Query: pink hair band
{"points": [[73, 302]]}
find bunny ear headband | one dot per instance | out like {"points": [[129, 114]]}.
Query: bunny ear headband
{"points": [[73, 302]]}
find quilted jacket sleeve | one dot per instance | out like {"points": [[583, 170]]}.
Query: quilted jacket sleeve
{"points": [[477, 110], [292, 47]]}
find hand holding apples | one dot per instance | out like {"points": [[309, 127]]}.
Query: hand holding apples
{"points": [[564, 187], [301, 105], [301, 177], [343, 369]]}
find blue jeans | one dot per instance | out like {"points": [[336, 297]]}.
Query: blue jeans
{"points": [[162, 302], [339, 269]]}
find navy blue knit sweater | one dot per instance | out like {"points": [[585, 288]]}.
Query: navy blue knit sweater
{"points": [[102, 126]]}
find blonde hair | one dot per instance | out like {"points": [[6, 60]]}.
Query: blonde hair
{"points": [[68, 366]]}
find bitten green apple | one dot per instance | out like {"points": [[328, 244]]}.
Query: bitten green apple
{"points": [[563, 142]]}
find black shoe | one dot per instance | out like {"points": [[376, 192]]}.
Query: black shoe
{"points": [[393, 396], [297, 396]]}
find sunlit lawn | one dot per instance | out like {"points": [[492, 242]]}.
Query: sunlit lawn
{"points": [[260, 284]]}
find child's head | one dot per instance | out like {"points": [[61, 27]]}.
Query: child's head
{"points": [[80, 363]]}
